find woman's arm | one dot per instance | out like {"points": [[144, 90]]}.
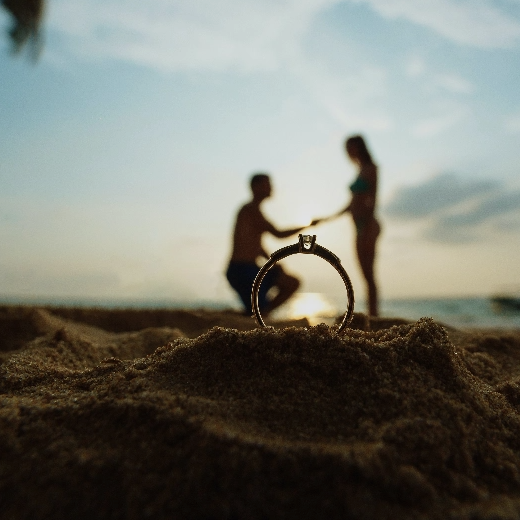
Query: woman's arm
{"points": [[347, 209]]}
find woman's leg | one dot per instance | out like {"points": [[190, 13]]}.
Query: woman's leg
{"points": [[366, 251]]}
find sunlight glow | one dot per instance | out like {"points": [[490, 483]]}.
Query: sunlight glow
{"points": [[313, 306]]}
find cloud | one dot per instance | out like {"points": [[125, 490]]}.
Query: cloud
{"points": [[243, 35], [486, 209], [439, 124], [454, 83], [436, 195], [249, 35], [353, 101], [415, 67], [475, 23], [453, 209], [512, 123], [259, 36]]}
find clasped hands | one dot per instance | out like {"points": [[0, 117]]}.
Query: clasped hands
{"points": [[317, 221]]}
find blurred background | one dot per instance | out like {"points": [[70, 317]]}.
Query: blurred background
{"points": [[129, 131]]}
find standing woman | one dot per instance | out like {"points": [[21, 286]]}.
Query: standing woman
{"points": [[362, 207]]}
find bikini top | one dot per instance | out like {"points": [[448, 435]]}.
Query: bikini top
{"points": [[360, 185]]}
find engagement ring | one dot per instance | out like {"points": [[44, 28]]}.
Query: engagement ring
{"points": [[306, 245]]}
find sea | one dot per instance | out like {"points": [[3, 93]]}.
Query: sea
{"points": [[469, 312]]}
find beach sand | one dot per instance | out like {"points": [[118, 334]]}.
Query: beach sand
{"points": [[130, 414]]}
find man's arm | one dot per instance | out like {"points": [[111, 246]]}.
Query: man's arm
{"points": [[278, 233]]}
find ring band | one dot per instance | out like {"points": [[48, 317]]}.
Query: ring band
{"points": [[306, 245]]}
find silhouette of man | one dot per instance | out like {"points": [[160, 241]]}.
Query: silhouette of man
{"points": [[247, 248]]}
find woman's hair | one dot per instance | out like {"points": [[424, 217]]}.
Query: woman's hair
{"points": [[360, 146]]}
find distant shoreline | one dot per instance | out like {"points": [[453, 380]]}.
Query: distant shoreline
{"points": [[462, 312]]}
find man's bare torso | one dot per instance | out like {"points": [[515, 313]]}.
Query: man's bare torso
{"points": [[247, 237]]}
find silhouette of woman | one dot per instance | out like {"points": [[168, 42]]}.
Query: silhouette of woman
{"points": [[362, 208]]}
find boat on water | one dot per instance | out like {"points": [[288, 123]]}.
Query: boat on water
{"points": [[506, 302]]}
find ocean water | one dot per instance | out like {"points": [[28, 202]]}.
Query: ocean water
{"points": [[458, 312], [474, 312]]}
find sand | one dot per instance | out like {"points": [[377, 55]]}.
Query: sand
{"points": [[112, 414]]}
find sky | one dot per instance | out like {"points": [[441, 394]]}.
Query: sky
{"points": [[126, 149]]}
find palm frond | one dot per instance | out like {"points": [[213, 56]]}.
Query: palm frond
{"points": [[26, 27]]}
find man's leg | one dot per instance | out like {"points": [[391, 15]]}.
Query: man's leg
{"points": [[241, 276], [286, 285]]}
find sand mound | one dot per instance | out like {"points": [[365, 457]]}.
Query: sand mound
{"points": [[411, 421]]}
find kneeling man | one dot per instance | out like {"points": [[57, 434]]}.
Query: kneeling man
{"points": [[247, 249]]}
